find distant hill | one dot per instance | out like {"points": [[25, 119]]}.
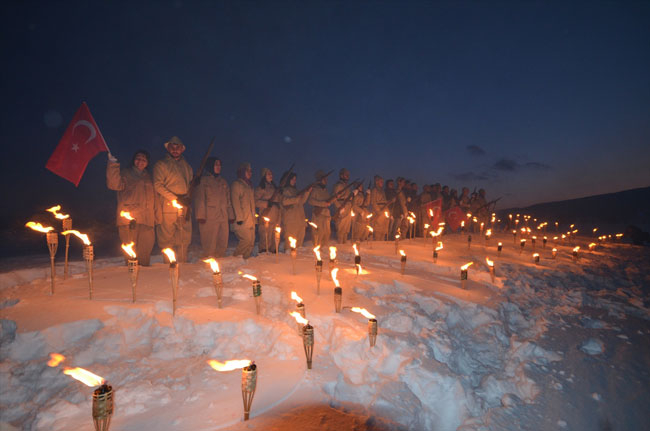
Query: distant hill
{"points": [[611, 210]]}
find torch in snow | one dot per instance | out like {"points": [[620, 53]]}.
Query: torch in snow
{"points": [[66, 224], [88, 254], [52, 239], [133, 266], [257, 291], [217, 280], [300, 308], [490, 265], [357, 258], [248, 379], [536, 258], [307, 332], [554, 253], [425, 226], [522, 244], [266, 233], [469, 241], [533, 240], [173, 275], [102, 407], [592, 246], [463, 275], [488, 234], [403, 260], [293, 252], [333, 260], [371, 233], [338, 292], [576, 249], [411, 227], [499, 248], [397, 243], [435, 252], [319, 268], [277, 232], [180, 221], [514, 236], [132, 223], [372, 324], [544, 240]]}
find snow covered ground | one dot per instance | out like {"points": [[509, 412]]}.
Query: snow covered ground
{"points": [[558, 345]]}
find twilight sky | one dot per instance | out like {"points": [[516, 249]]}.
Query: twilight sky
{"points": [[534, 101]]}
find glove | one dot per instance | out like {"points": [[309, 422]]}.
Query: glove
{"points": [[239, 223], [200, 220], [112, 158]]}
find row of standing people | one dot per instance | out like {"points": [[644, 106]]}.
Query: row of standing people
{"points": [[219, 207]]}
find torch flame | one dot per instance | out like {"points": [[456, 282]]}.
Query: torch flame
{"points": [[535, 255], [430, 212], [78, 234], [250, 277], [84, 376], [489, 262], [356, 250], [332, 253], [317, 252], [314, 225], [299, 318], [229, 365], [170, 254], [55, 359], [352, 213], [364, 312], [55, 211], [128, 248], [402, 253], [296, 298], [336, 281], [387, 215], [370, 229], [176, 205], [592, 245], [439, 247], [467, 265], [618, 235], [278, 229], [369, 216], [292, 242], [426, 225], [266, 219], [500, 244], [214, 265], [576, 248], [488, 232], [126, 215], [38, 227]]}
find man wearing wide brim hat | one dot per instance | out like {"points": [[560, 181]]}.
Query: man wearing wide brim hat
{"points": [[320, 200], [171, 180]]}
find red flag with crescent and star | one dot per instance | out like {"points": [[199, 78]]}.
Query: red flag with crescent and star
{"points": [[81, 142]]}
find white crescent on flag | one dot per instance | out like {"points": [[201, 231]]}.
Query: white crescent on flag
{"points": [[90, 127]]}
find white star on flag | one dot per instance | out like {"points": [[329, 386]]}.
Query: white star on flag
{"points": [[75, 147]]}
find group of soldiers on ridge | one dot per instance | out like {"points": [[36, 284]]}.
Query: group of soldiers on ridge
{"points": [[159, 201]]}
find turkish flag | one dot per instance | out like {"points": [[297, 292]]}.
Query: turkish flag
{"points": [[81, 142], [433, 210], [454, 217]]}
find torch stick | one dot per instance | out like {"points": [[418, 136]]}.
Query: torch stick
{"points": [[52, 244], [248, 385], [102, 407], [67, 225], [89, 257], [278, 229], [319, 274], [173, 275], [266, 234], [257, 294], [372, 332], [403, 260], [133, 272], [218, 287], [338, 297], [463, 275], [491, 268], [308, 343]]}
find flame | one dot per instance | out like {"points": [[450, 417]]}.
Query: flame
{"points": [[356, 250], [364, 312], [396, 237], [128, 248], [474, 219], [467, 265], [55, 211], [176, 205], [462, 223], [370, 229], [55, 359], [296, 298], [439, 246], [575, 231], [126, 215], [278, 229], [336, 281], [592, 245], [576, 248], [387, 215], [402, 253], [571, 226], [214, 265], [411, 220], [514, 231], [618, 235], [299, 318], [250, 277], [170, 254], [488, 232], [522, 242], [534, 237], [314, 225], [266, 219], [292, 242], [229, 365], [535, 255], [554, 250], [426, 225], [38, 227], [500, 244], [369, 216], [430, 212], [78, 234], [359, 270], [84, 376], [317, 252], [352, 213], [469, 215], [332, 253], [489, 262]]}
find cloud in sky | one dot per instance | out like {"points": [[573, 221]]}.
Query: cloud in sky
{"points": [[470, 176], [509, 165], [475, 150]]}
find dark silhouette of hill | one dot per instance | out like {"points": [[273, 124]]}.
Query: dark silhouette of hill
{"points": [[612, 210]]}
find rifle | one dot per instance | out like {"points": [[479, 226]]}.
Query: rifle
{"points": [[278, 191], [197, 178], [355, 183], [488, 204], [315, 182]]}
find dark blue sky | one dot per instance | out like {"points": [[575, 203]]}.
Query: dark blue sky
{"points": [[534, 101]]}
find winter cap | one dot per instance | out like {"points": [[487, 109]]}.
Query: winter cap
{"points": [[175, 140]]}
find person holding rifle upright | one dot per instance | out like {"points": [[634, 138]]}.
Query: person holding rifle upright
{"points": [[379, 206], [213, 209], [243, 204], [293, 210], [342, 206], [320, 199], [171, 180], [360, 205], [267, 200]]}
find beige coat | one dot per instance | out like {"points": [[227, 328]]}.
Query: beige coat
{"points": [[212, 200], [135, 193], [243, 203], [263, 201], [171, 178]]}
